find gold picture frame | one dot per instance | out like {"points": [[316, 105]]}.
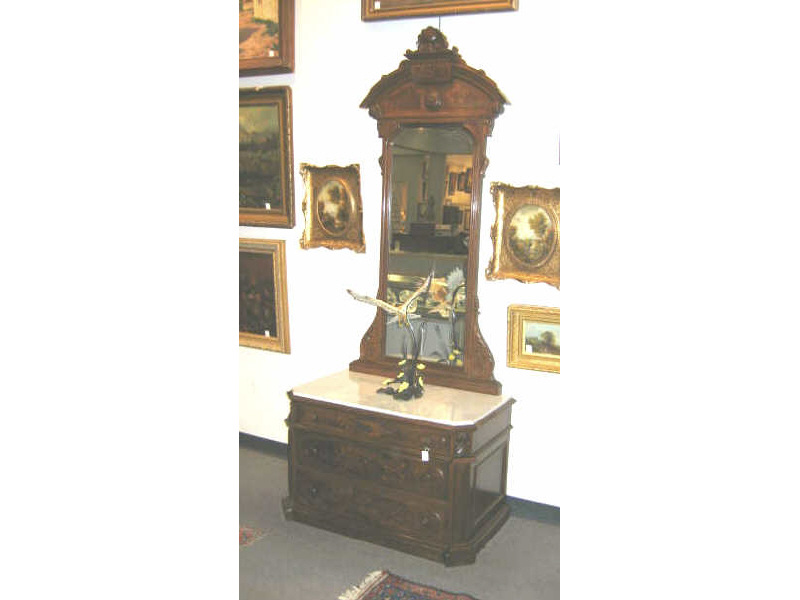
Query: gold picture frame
{"points": [[266, 186], [372, 10], [266, 37], [332, 208], [263, 298], [526, 234], [534, 338]]}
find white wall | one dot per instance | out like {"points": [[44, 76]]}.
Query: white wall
{"points": [[338, 59]]}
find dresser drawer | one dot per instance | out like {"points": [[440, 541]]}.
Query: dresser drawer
{"points": [[361, 426], [342, 501], [387, 468]]}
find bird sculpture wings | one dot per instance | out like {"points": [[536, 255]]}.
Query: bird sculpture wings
{"points": [[400, 312], [444, 292]]}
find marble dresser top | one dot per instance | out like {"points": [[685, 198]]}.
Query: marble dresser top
{"points": [[438, 404]]}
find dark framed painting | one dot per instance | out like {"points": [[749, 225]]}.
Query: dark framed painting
{"points": [[526, 234], [263, 302], [534, 338], [266, 37], [332, 208], [372, 10], [266, 187]]}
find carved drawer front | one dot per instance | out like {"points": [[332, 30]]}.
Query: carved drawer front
{"points": [[344, 502], [390, 469], [365, 427]]}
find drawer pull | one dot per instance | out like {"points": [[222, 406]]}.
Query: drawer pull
{"points": [[313, 491]]}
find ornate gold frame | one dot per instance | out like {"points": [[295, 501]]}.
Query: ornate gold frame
{"points": [[517, 357], [277, 250], [315, 233], [282, 97], [504, 264], [412, 8], [281, 61]]}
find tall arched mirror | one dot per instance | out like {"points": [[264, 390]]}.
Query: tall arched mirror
{"points": [[429, 233], [434, 114]]}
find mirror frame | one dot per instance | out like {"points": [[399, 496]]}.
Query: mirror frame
{"points": [[435, 87]]}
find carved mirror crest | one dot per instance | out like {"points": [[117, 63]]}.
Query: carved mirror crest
{"points": [[434, 113]]}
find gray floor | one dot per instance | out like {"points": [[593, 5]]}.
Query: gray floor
{"points": [[294, 561]]}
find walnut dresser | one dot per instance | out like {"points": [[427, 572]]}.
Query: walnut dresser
{"points": [[427, 476]]}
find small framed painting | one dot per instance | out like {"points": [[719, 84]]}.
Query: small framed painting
{"points": [[372, 10], [266, 37], [534, 338], [263, 304], [266, 188], [332, 207], [526, 234]]}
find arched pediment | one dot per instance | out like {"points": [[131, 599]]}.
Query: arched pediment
{"points": [[435, 79]]}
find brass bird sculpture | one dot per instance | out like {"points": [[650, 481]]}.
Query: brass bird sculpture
{"points": [[400, 312]]}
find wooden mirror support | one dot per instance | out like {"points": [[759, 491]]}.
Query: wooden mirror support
{"points": [[434, 89]]}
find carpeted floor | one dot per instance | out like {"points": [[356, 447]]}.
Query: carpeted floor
{"points": [[293, 561]]}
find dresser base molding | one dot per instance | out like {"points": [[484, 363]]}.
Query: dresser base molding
{"points": [[449, 555]]}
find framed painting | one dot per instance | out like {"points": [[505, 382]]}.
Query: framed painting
{"points": [[534, 338], [372, 10], [266, 37], [263, 303], [332, 208], [526, 234], [266, 188]]}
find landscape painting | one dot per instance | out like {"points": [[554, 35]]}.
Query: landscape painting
{"points": [[531, 235], [534, 338], [541, 338], [333, 207], [259, 157], [259, 28], [266, 194], [266, 36], [526, 238]]}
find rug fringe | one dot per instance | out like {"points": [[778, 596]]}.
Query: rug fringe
{"points": [[355, 592]]}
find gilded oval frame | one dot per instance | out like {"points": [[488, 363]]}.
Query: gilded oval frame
{"points": [[316, 234], [504, 264]]}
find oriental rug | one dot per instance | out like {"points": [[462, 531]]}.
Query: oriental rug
{"points": [[382, 585], [248, 535]]}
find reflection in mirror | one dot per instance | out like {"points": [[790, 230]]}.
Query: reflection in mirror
{"points": [[430, 211]]}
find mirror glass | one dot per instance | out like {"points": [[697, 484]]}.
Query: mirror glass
{"points": [[431, 193]]}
